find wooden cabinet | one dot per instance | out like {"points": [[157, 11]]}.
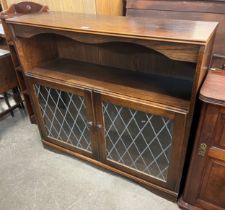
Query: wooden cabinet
{"points": [[205, 187], [113, 91]]}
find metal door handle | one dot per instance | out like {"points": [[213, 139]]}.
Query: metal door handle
{"points": [[202, 149], [99, 126], [90, 124]]}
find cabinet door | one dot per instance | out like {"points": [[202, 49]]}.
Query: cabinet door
{"points": [[141, 139], [65, 116], [212, 192], [212, 189], [205, 186]]}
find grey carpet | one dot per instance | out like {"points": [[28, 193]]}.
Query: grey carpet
{"points": [[34, 178]]}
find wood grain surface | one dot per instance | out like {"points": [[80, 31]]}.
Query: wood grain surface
{"points": [[134, 27]]}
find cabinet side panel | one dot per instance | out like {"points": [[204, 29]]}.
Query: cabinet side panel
{"points": [[36, 50]]}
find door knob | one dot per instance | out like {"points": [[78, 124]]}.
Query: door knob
{"points": [[99, 126], [90, 124]]}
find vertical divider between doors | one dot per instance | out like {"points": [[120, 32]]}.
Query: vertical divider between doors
{"points": [[97, 103], [91, 118]]}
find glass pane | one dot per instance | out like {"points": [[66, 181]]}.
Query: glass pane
{"points": [[64, 116], [138, 140]]}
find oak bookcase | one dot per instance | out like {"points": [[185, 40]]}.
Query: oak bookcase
{"points": [[118, 92]]}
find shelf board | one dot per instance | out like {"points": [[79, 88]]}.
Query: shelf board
{"points": [[186, 31], [162, 90]]}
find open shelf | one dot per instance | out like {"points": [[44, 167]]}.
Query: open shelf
{"points": [[167, 91]]}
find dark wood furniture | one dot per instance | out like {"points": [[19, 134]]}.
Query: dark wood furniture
{"points": [[118, 92], [19, 9], [205, 186], [209, 10], [8, 82]]}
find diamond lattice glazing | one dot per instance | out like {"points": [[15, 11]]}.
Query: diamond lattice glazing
{"points": [[138, 140], [64, 116]]}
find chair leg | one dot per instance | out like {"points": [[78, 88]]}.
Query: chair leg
{"points": [[8, 104], [17, 97]]}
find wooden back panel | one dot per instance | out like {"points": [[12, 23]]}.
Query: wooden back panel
{"points": [[187, 10]]}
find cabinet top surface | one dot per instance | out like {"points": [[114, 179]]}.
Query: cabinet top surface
{"points": [[213, 89], [197, 32]]}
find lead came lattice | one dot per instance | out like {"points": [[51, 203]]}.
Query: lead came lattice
{"points": [[138, 140], [64, 116]]}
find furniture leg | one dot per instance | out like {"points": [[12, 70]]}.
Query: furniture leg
{"points": [[8, 104], [17, 97]]}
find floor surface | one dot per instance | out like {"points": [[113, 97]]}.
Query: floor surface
{"points": [[34, 178]]}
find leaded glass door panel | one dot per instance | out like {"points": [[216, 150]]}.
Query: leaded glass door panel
{"points": [[139, 139], [66, 116]]}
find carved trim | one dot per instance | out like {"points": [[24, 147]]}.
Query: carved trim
{"points": [[174, 51]]}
